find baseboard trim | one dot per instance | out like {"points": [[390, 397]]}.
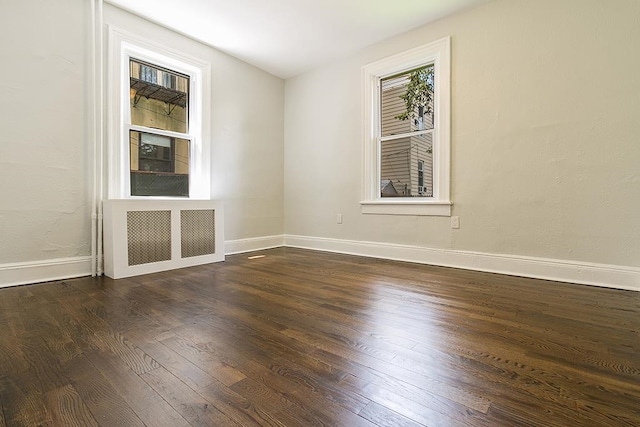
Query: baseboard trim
{"points": [[604, 275], [252, 244], [24, 273]]}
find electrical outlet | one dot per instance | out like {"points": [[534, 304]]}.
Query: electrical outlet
{"points": [[339, 219], [455, 222]]}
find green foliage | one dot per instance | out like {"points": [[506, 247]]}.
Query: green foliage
{"points": [[419, 93]]}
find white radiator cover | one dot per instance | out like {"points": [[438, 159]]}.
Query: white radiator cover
{"points": [[147, 236]]}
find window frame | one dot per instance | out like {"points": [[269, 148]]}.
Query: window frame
{"points": [[438, 54], [124, 46]]}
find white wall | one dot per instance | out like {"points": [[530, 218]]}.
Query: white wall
{"points": [[45, 153], [44, 196], [247, 125], [545, 135]]}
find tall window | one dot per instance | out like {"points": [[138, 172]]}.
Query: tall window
{"points": [[159, 138], [159, 107], [406, 132]]}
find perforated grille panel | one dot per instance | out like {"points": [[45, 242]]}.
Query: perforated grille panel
{"points": [[148, 236], [198, 232]]}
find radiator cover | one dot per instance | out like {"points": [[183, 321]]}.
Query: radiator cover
{"points": [[147, 236]]}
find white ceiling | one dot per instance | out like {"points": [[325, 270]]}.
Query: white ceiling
{"points": [[288, 37]]}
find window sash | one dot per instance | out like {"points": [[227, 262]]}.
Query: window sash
{"points": [[405, 135], [160, 132], [157, 132], [406, 172]]}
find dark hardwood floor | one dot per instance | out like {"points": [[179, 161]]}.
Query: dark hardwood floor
{"points": [[303, 338]]}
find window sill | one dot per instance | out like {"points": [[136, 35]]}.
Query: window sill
{"points": [[406, 207]]}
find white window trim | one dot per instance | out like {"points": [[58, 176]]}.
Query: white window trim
{"points": [[438, 53], [122, 46]]}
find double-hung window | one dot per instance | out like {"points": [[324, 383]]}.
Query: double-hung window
{"points": [[157, 147], [159, 138], [406, 135]]}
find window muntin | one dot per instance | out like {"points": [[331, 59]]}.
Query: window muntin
{"points": [[433, 126]]}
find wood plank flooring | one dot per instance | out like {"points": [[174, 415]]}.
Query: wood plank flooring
{"points": [[304, 338]]}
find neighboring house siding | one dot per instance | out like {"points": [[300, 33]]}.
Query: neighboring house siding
{"points": [[395, 164], [422, 150], [393, 105], [399, 158], [395, 155]]}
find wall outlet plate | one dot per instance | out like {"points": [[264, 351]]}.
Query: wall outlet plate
{"points": [[455, 222]]}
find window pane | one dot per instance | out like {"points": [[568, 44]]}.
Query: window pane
{"points": [[407, 102], [159, 165], [406, 167], [159, 98]]}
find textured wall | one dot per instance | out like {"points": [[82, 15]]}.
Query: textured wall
{"points": [[45, 153], [544, 136], [246, 128], [44, 196]]}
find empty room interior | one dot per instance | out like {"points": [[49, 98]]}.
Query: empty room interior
{"points": [[298, 213]]}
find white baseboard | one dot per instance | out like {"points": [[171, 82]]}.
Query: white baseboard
{"points": [[605, 275], [23, 273], [253, 244]]}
